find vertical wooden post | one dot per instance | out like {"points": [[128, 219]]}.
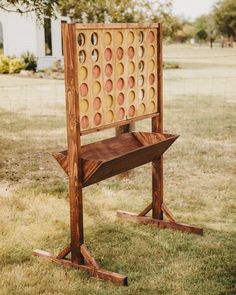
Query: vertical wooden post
{"points": [[157, 126], [120, 130], [73, 140]]}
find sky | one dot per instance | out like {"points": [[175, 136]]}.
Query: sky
{"points": [[192, 8]]}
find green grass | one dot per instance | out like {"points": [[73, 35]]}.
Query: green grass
{"points": [[199, 189]]}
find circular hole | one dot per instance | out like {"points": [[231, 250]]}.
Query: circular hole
{"points": [[121, 113], [151, 50], [84, 105], [107, 38], [152, 92], [152, 106], [84, 122], [108, 54], [131, 111], [140, 36], [119, 38], [131, 96], [83, 89], [141, 51], [94, 55], [120, 69], [109, 101], [82, 56], [120, 84], [96, 87], [141, 80], [108, 70], [119, 53], [131, 52], [151, 65], [141, 65], [94, 38], [97, 103], [96, 71], [81, 39], [151, 36], [141, 94], [141, 109], [97, 119], [151, 78], [130, 37], [110, 116], [83, 73], [121, 98], [108, 85], [131, 67], [131, 82]]}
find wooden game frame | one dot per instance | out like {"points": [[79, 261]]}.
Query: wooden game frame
{"points": [[83, 171]]}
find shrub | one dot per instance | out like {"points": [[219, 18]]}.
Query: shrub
{"points": [[4, 65], [16, 65], [30, 61]]}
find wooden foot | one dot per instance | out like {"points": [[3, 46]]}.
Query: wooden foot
{"points": [[160, 223], [92, 268]]}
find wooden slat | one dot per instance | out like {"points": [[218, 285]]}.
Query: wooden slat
{"points": [[146, 210], [168, 213], [64, 252], [73, 140], [157, 126], [160, 223], [100, 273], [117, 124], [88, 257], [116, 25]]}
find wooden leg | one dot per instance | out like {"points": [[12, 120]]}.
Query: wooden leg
{"points": [[92, 267], [157, 188], [160, 223]]}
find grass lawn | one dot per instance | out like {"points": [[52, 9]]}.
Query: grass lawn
{"points": [[200, 105]]}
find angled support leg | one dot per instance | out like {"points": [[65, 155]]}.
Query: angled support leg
{"points": [[91, 266]]}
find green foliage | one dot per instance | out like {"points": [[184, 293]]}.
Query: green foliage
{"points": [[41, 8], [205, 28], [16, 65], [30, 61], [4, 65], [225, 17]]}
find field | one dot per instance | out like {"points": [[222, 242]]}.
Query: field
{"points": [[200, 168]]}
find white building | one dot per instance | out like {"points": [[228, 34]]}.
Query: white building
{"points": [[22, 32]]}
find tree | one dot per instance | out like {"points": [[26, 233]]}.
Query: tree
{"points": [[225, 17], [205, 28], [41, 8]]}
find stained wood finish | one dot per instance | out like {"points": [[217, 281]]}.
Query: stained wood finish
{"points": [[145, 210], [160, 223], [64, 252], [112, 156], [157, 126], [73, 140], [100, 273], [168, 213], [88, 257], [89, 164]]}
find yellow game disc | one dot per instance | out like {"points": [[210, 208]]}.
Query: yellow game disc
{"points": [[84, 105], [83, 73], [131, 96], [141, 109], [131, 67], [110, 116], [130, 37], [120, 69], [109, 101], [96, 87], [107, 38]]}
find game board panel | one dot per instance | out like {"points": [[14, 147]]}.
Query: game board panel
{"points": [[117, 75]]}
